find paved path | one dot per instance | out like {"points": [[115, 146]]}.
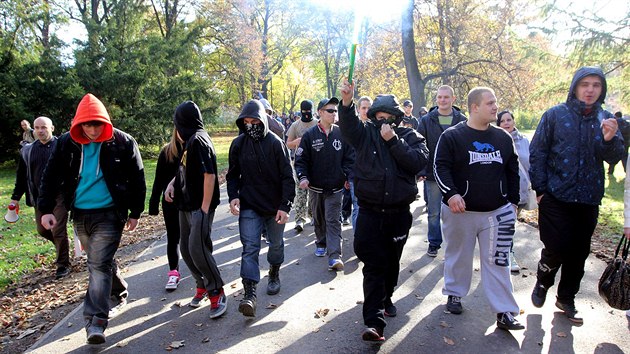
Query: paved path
{"points": [[154, 318]]}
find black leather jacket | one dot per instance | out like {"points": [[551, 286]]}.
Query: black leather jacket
{"points": [[122, 168]]}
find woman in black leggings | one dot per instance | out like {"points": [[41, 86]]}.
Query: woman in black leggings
{"points": [[164, 172]]}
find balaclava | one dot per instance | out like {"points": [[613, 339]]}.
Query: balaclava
{"points": [[306, 105]]}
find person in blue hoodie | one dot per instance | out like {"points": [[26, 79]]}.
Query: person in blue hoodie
{"points": [[261, 188], [566, 168]]}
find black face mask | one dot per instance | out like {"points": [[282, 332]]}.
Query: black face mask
{"points": [[255, 131], [379, 122], [307, 117]]}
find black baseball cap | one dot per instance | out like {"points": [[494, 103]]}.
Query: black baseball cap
{"points": [[325, 101]]}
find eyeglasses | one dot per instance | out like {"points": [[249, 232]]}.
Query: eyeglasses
{"points": [[93, 123], [330, 110]]}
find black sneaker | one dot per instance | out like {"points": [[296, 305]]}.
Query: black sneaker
{"points": [[373, 334], [570, 311], [432, 251], [390, 308], [62, 272], [454, 305], [539, 295], [507, 322]]}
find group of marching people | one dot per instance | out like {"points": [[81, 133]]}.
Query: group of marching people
{"points": [[477, 173]]}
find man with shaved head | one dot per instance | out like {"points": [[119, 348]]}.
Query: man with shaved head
{"points": [[33, 159]]}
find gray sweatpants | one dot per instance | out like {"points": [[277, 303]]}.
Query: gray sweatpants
{"points": [[195, 246], [494, 230], [326, 211]]}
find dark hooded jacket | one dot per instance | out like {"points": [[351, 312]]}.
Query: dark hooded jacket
{"points": [[260, 173], [197, 158], [384, 171], [568, 148], [431, 129]]}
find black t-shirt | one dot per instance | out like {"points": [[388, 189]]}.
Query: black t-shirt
{"points": [[197, 159]]}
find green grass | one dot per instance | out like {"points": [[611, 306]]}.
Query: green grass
{"points": [[610, 223], [22, 250]]}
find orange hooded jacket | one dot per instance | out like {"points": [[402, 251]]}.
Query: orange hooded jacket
{"points": [[91, 109]]}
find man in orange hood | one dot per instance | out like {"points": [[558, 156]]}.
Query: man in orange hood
{"points": [[99, 171]]}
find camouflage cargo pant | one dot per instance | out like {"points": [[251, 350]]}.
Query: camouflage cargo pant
{"points": [[301, 205]]}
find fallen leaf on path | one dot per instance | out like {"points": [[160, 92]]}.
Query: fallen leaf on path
{"points": [[449, 341], [122, 344], [443, 324], [316, 330], [69, 324], [163, 299], [331, 288], [176, 344], [205, 340], [419, 297], [198, 324], [321, 313], [271, 306], [233, 286]]}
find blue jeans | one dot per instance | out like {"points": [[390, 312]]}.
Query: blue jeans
{"points": [[250, 226], [355, 206], [100, 232], [434, 206]]}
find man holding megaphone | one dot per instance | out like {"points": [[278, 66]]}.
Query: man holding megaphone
{"points": [[33, 159]]}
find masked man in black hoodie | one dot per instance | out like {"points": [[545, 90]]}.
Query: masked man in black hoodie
{"points": [[566, 154], [261, 188], [388, 157], [195, 190]]}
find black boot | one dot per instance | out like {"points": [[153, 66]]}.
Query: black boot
{"points": [[248, 305], [273, 286]]}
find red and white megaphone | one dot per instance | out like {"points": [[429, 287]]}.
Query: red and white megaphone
{"points": [[12, 213]]}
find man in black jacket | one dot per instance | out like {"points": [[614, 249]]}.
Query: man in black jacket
{"points": [[431, 126], [33, 159], [100, 172], [261, 188], [387, 161], [572, 141], [322, 163]]}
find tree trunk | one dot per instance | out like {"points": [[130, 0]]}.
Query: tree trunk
{"points": [[414, 78]]}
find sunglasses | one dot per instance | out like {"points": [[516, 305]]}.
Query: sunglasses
{"points": [[330, 110]]}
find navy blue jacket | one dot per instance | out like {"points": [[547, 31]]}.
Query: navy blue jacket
{"points": [[325, 160], [568, 148]]}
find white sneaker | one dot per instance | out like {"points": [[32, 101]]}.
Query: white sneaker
{"points": [[173, 280], [514, 267]]}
